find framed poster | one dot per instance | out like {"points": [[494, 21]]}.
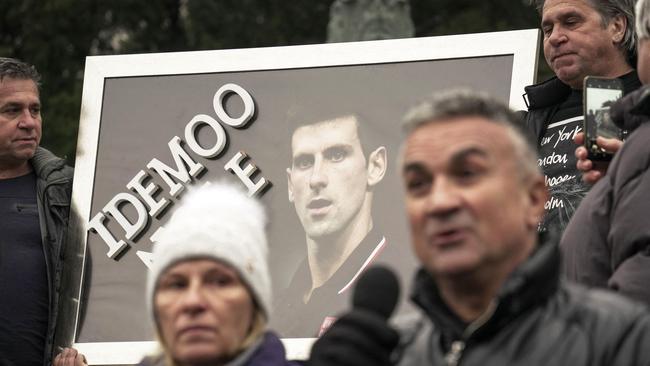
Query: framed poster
{"points": [[272, 119]]}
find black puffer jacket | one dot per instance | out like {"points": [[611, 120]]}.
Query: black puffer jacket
{"points": [[534, 320], [544, 99], [607, 243]]}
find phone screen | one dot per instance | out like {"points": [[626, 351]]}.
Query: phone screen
{"points": [[597, 112]]}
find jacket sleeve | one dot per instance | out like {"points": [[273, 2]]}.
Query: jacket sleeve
{"points": [[633, 348], [527, 127], [629, 235]]}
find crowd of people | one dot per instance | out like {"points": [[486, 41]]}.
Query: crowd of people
{"points": [[504, 277]]}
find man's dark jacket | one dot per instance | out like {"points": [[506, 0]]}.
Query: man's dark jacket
{"points": [[607, 243], [543, 101], [535, 319], [53, 191]]}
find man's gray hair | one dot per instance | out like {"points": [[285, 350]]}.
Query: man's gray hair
{"points": [[609, 9], [643, 19], [16, 69], [460, 103]]}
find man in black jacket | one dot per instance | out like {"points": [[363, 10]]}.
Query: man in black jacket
{"points": [[581, 38], [488, 291], [35, 189]]}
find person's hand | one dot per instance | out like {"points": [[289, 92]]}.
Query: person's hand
{"points": [[70, 357], [592, 171], [358, 338]]}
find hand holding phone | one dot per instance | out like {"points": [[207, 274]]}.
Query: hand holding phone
{"points": [[592, 171]]}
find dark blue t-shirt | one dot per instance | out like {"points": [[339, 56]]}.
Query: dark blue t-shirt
{"points": [[23, 276]]}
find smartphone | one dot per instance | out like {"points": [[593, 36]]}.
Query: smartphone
{"points": [[599, 94]]}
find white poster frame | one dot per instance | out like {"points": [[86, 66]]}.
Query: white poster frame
{"points": [[523, 45]]}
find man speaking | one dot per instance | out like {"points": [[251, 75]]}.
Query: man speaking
{"points": [[488, 291]]}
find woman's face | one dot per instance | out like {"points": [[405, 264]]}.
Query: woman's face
{"points": [[204, 311]]}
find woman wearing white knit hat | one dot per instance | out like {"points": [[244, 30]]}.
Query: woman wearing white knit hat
{"points": [[209, 289]]}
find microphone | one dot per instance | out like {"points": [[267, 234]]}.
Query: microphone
{"points": [[377, 291]]}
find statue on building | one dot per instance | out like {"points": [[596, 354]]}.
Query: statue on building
{"points": [[367, 20]]}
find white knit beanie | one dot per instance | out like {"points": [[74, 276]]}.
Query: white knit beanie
{"points": [[217, 221]]}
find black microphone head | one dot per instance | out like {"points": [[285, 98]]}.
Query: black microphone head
{"points": [[377, 290]]}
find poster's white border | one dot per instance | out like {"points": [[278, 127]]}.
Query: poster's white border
{"points": [[523, 45]]}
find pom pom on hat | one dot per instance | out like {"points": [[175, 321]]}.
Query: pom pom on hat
{"points": [[221, 222]]}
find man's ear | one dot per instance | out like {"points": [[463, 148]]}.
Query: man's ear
{"points": [[377, 164], [617, 27], [537, 196], [289, 185]]}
